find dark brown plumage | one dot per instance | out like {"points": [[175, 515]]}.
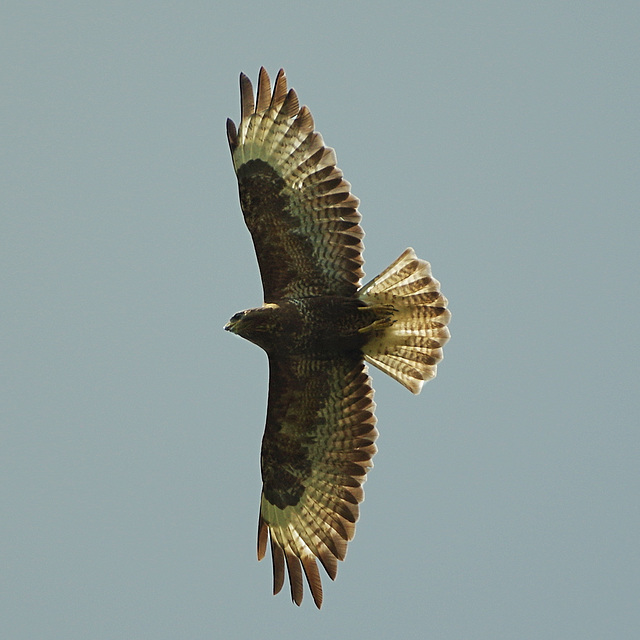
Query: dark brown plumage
{"points": [[318, 326]]}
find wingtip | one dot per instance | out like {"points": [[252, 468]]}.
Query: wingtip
{"points": [[247, 104], [232, 134], [279, 89], [263, 96], [263, 534]]}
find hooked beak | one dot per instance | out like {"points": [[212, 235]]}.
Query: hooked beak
{"points": [[233, 322]]}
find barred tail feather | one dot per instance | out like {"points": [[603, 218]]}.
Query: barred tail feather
{"points": [[409, 347]]}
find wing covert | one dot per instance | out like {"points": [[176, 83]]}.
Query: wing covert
{"points": [[299, 209], [317, 448]]}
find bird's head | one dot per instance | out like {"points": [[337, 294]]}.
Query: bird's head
{"points": [[253, 324], [235, 322]]}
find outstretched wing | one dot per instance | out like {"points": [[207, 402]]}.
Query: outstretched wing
{"points": [[299, 209], [317, 447]]}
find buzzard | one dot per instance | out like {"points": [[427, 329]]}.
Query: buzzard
{"points": [[319, 326]]}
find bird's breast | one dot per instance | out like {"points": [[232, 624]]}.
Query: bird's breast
{"points": [[319, 327]]}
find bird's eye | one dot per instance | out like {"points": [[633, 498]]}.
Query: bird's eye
{"points": [[237, 316]]}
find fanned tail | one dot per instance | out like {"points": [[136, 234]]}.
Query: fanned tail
{"points": [[409, 346]]}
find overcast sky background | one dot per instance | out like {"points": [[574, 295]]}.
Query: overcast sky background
{"points": [[499, 139]]}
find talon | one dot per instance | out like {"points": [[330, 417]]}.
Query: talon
{"points": [[380, 309], [385, 317], [381, 323]]}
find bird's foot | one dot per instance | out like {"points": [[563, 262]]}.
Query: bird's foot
{"points": [[386, 312]]}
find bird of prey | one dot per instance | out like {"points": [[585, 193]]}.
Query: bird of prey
{"points": [[318, 326]]}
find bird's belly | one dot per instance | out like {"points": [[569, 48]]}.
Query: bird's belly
{"points": [[324, 326]]}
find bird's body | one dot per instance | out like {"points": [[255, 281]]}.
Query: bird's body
{"points": [[318, 326]]}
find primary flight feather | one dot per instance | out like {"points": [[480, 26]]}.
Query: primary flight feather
{"points": [[318, 326]]}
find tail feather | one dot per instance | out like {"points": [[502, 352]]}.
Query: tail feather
{"points": [[409, 347]]}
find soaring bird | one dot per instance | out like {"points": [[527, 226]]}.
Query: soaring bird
{"points": [[319, 327]]}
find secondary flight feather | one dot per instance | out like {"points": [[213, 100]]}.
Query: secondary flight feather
{"points": [[319, 327]]}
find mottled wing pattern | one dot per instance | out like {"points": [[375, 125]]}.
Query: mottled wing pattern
{"points": [[317, 447], [302, 217]]}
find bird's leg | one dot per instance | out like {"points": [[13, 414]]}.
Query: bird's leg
{"points": [[385, 317]]}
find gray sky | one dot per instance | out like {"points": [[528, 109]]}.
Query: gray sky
{"points": [[500, 140]]}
